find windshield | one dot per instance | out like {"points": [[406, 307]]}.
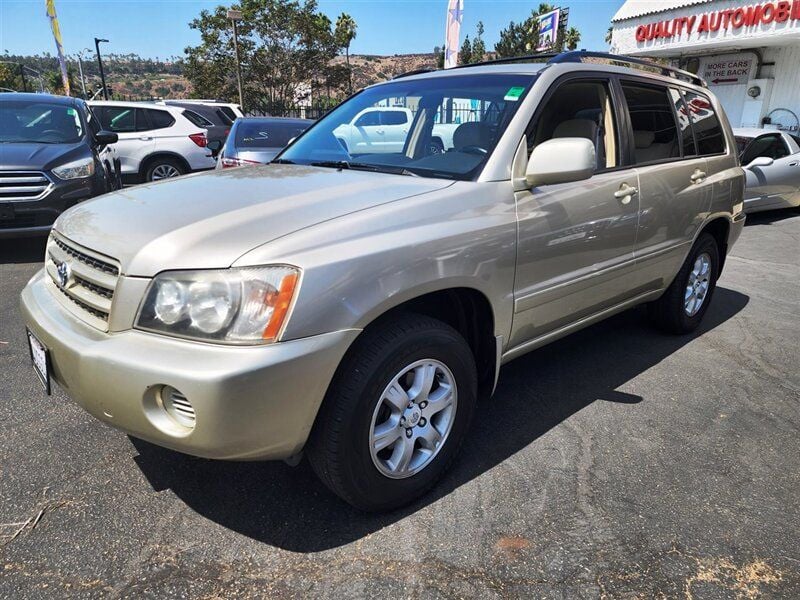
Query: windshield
{"points": [[261, 133], [39, 122], [433, 127]]}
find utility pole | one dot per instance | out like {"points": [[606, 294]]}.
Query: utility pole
{"points": [[100, 64], [234, 16]]}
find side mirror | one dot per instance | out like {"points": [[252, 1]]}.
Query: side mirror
{"points": [[760, 161], [215, 146], [560, 161], [104, 138]]}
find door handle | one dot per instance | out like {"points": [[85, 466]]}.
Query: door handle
{"points": [[145, 138], [380, 131], [625, 193], [698, 176], [794, 163]]}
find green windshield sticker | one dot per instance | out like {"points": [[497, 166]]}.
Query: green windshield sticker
{"points": [[71, 112], [513, 94]]}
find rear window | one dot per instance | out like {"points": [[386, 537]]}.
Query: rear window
{"points": [[228, 112], [159, 119], [707, 130], [197, 119], [266, 134]]}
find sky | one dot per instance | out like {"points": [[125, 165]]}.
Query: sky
{"points": [[159, 28]]}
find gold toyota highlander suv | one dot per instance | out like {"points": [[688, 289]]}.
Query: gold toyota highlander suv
{"points": [[354, 299]]}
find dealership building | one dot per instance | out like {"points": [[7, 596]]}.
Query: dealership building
{"points": [[748, 52]]}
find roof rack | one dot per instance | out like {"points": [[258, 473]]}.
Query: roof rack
{"points": [[674, 72], [577, 56]]}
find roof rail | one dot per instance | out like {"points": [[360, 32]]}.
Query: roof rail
{"points": [[576, 56], [674, 72]]}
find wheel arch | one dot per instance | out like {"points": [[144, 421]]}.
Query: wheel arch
{"points": [[719, 227], [148, 160]]}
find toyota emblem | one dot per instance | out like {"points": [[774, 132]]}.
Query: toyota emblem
{"points": [[64, 272]]}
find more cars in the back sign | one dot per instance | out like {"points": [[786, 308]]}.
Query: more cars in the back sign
{"points": [[53, 154], [155, 142], [257, 140], [771, 160]]}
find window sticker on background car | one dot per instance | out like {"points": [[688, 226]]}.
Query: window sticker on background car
{"points": [[513, 94]]}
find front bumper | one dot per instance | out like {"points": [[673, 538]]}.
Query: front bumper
{"points": [[250, 402]]}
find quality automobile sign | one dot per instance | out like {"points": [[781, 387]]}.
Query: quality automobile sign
{"points": [[720, 20]]}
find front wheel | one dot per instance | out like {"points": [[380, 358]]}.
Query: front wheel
{"points": [[396, 413], [686, 300]]}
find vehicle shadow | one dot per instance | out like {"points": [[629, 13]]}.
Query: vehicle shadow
{"points": [[768, 217], [23, 250], [289, 508]]}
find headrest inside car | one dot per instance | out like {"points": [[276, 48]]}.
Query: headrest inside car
{"points": [[472, 134], [580, 128]]}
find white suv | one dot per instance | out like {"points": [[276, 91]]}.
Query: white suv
{"points": [[155, 142]]}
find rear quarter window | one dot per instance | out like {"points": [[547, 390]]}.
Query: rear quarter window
{"points": [[705, 123], [158, 119]]}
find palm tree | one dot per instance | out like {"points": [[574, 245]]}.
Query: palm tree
{"points": [[572, 37], [344, 34], [609, 35]]}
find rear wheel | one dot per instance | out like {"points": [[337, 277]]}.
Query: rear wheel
{"points": [[396, 413], [163, 168], [686, 300]]}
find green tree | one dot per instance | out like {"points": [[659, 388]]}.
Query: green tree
{"points": [[572, 37], [609, 35], [285, 45], [522, 38], [478, 45], [465, 54], [344, 34]]}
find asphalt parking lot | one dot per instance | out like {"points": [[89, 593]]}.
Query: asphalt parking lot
{"points": [[615, 463]]}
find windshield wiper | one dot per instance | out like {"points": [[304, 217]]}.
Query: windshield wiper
{"points": [[282, 161], [357, 166]]}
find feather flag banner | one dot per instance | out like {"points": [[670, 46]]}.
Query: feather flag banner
{"points": [[455, 14], [62, 63]]}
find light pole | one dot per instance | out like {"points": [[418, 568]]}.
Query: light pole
{"points": [[234, 16], [100, 64]]}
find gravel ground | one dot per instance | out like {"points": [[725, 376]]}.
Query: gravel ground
{"points": [[617, 462]]}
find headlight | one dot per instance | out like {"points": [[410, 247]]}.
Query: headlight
{"points": [[235, 306], [75, 169]]}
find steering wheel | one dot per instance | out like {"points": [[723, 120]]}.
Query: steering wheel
{"points": [[473, 150], [52, 133]]}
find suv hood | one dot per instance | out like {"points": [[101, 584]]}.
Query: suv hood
{"points": [[38, 157], [209, 220]]}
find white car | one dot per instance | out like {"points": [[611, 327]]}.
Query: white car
{"points": [[231, 110], [380, 129], [771, 160], [155, 141]]}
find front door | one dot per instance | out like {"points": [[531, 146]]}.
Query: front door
{"points": [[576, 239]]}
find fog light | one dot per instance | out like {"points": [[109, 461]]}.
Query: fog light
{"points": [[177, 406]]}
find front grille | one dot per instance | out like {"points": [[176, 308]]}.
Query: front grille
{"points": [[23, 185], [90, 280]]}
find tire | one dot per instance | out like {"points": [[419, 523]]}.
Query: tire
{"points": [[163, 168], [674, 312], [340, 446]]}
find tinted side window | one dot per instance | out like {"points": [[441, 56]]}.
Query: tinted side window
{"points": [[370, 119], [228, 112], [196, 119], [707, 130], [686, 137], [159, 119], [394, 117], [580, 109], [655, 134], [120, 119], [770, 146]]}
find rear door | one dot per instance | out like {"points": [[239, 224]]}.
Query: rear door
{"points": [[394, 125], [675, 187], [133, 145]]}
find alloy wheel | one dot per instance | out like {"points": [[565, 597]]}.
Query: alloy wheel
{"points": [[413, 418], [697, 285], [164, 172]]}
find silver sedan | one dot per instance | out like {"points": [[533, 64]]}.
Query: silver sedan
{"points": [[771, 160]]}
